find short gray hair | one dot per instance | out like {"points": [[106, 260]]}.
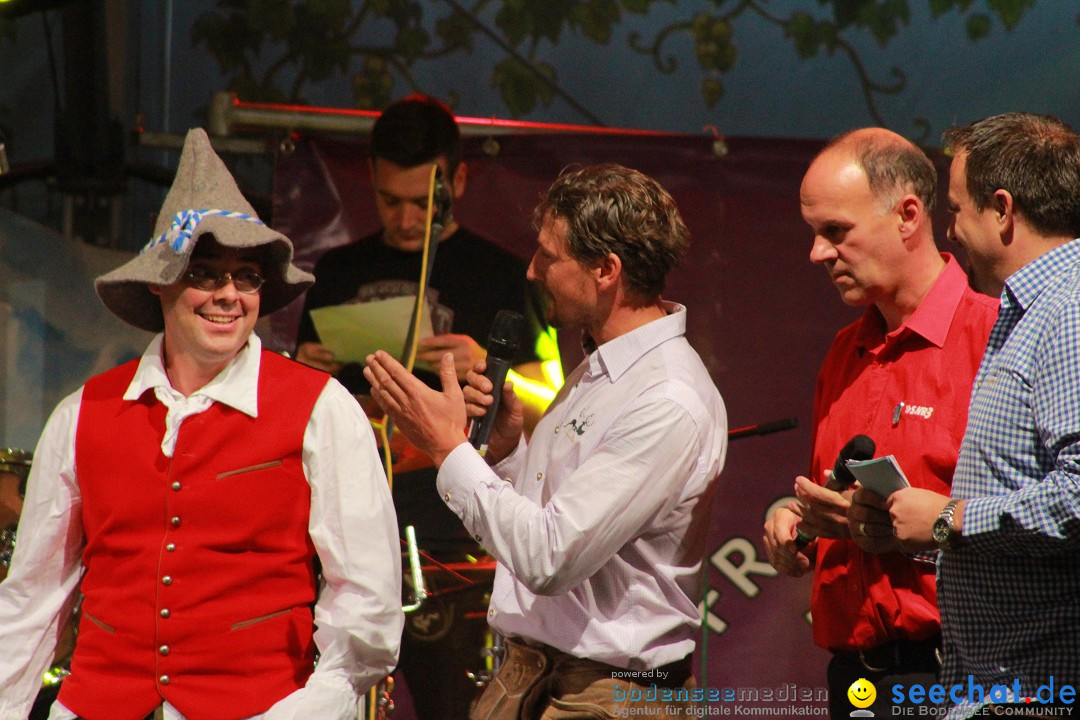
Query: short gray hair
{"points": [[893, 166]]}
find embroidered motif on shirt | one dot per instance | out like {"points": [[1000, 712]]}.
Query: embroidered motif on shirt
{"points": [[579, 424]]}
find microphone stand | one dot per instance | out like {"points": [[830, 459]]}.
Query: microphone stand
{"points": [[766, 428]]}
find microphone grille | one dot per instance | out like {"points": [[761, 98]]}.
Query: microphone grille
{"points": [[860, 447], [506, 334]]}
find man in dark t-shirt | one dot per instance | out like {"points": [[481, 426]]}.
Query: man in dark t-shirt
{"points": [[472, 279]]}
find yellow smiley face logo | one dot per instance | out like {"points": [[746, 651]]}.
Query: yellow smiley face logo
{"points": [[862, 693]]}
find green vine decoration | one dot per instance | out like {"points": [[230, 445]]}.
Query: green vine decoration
{"points": [[273, 50]]}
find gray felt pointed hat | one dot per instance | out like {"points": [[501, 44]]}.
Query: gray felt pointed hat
{"points": [[203, 200]]}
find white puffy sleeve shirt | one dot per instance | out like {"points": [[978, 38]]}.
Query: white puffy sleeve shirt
{"points": [[358, 615]]}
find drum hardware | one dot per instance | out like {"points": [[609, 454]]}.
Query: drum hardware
{"points": [[7, 545], [17, 463], [493, 656], [437, 598], [380, 704], [480, 679], [441, 621], [464, 571], [497, 651], [419, 592]]}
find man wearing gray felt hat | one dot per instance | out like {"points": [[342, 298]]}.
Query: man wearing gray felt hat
{"points": [[204, 200], [187, 495]]}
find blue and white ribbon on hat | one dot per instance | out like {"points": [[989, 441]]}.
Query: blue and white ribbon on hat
{"points": [[178, 236]]}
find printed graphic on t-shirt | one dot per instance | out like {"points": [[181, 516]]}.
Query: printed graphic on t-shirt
{"points": [[442, 317]]}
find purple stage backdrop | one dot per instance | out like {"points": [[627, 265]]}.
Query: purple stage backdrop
{"points": [[760, 314]]}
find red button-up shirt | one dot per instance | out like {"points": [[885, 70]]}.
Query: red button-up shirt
{"points": [[909, 391]]}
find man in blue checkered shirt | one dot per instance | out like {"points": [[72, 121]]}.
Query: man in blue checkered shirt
{"points": [[1009, 573]]}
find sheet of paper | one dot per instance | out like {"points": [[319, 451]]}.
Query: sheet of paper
{"points": [[354, 331], [882, 475]]}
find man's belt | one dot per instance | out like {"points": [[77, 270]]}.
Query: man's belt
{"points": [[522, 686], [899, 654], [673, 675]]}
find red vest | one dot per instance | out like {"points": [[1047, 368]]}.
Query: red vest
{"points": [[199, 568]]}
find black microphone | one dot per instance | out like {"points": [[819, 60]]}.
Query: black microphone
{"points": [[860, 447], [502, 345]]}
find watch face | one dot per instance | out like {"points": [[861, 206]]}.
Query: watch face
{"points": [[941, 531]]}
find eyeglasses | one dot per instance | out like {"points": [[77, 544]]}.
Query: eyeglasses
{"points": [[206, 278]]}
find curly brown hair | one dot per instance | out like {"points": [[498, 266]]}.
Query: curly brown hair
{"points": [[614, 209]]}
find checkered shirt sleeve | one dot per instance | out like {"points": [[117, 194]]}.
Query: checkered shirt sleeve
{"points": [[1009, 593]]}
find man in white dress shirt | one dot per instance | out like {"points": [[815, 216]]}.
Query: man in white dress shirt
{"points": [[599, 522], [188, 494]]}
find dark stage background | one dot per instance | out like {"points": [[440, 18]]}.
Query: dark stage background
{"points": [[760, 314]]}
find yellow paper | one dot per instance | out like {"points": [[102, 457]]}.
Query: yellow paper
{"points": [[354, 331]]}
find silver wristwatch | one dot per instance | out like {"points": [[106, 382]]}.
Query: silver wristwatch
{"points": [[945, 534]]}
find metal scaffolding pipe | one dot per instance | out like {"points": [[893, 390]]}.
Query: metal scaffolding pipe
{"points": [[228, 114]]}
